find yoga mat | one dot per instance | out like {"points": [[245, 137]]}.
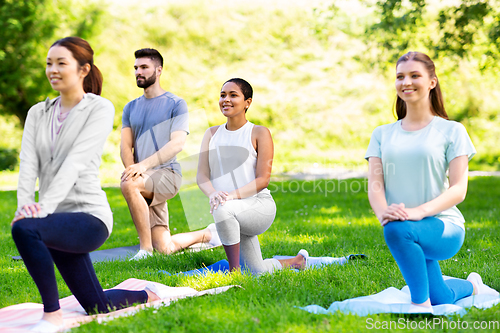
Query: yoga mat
{"points": [[223, 265], [118, 254], [18, 318], [313, 262], [393, 300], [127, 252], [219, 266]]}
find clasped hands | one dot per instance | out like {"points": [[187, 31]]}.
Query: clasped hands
{"points": [[218, 198], [398, 212]]}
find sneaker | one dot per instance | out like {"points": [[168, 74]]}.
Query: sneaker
{"points": [[215, 240], [356, 256], [481, 288], [305, 254], [141, 255]]}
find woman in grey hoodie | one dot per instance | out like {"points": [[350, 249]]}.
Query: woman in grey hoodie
{"points": [[62, 145]]}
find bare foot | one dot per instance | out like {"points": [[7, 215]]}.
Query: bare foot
{"points": [[298, 262], [55, 317], [151, 296], [211, 235], [426, 304], [207, 235]]}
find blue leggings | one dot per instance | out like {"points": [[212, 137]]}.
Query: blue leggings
{"points": [[417, 246], [66, 240]]}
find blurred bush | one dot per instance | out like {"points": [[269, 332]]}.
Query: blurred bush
{"points": [[9, 159], [323, 72]]}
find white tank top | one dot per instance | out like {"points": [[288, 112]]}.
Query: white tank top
{"points": [[232, 158]]}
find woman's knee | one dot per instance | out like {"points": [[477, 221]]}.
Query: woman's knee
{"points": [[223, 212], [397, 231], [19, 230]]}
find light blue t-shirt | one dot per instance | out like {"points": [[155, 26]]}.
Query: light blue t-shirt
{"points": [[152, 120], [416, 162]]}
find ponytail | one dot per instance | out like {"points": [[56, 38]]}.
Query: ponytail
{"points": [[93, 81]]}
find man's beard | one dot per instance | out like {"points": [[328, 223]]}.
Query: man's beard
{"points": [[147, 82]]}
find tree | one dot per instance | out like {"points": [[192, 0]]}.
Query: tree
{"points": [[469, 29], [27, 29]]}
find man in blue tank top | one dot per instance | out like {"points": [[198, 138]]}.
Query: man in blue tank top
{"points": [[154, 131]]}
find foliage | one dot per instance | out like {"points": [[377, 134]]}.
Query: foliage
{"points": [[322, 72], [467, 29], [463, 28], [462, 39], [8, 159], [336, 223], [27, 29], [399, 23]]}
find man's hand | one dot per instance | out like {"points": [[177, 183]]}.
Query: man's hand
{"points": [[133, 172]]}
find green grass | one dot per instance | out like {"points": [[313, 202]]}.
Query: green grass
{"points": [[326, 224]]}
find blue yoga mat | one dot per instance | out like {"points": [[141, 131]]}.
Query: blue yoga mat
{"points": [[223, 265], [219, 266]]}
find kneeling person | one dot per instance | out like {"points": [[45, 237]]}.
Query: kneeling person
{"points": [[154, 131]]}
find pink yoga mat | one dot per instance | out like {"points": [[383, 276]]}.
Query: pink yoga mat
{"points": [[20, 317]]}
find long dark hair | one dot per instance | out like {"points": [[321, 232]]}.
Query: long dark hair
{"points": [[435, 95], [84, 54]]}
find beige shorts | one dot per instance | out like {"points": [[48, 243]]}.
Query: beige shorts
{"points": [[165, 184]]}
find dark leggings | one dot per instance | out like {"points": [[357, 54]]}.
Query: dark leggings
{"points": [[66, 240]]}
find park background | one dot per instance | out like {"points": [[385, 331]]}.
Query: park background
{"points": [[323, 71], [323, 74]]}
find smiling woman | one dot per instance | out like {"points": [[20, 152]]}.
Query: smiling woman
{"points": [[62, 145], [409, 188], [234, 171]]}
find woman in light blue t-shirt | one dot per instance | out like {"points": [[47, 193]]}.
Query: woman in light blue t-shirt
{"points": [[410, 192]]}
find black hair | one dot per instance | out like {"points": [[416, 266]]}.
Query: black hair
{"points": [[151, 54], [245, 87]]}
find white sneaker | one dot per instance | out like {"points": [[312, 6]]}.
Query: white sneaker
{"points": [[481, 288], [46, 327], [305, 254], [141, 255], [215, 240]]}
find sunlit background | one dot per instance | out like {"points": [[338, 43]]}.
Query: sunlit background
{"points": [[322, 71]]}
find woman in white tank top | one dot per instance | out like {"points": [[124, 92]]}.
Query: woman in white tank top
{"points": [[234, 170]]}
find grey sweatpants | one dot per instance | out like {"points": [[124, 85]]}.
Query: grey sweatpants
{"points": [[240, 221]]}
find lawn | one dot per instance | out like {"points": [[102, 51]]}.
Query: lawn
{"points": [[326, 217]]}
